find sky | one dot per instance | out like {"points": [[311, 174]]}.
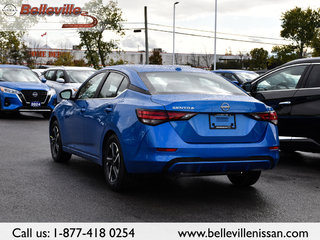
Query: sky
{"points": [[257, 23]]}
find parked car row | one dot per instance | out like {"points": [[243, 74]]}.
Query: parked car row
{"points": [[238, 77], [134, 119]]}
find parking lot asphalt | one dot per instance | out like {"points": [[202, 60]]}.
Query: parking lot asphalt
{"points": [[33, 188]]}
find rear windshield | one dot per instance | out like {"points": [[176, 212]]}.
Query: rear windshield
{"points": [[17, 75], [79, 76], [188, 83]]}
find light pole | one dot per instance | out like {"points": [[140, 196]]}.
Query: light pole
{"points": [[146, 34], [174, 30], [215, 37]]}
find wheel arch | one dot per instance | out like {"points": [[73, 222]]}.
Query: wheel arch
{"points": [[53, 118], [107, 135]]}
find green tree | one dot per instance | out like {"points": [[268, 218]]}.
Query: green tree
{"points": [[300, 26], [282, 54], [80, 63], [13, 49], [259, 58], [316, 44], [109, 18], [155, 57], [65, 59], [117, 62]]}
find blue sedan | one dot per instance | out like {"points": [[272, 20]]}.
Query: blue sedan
{"points": [[175, 120], [22, 91], [238, 77]]}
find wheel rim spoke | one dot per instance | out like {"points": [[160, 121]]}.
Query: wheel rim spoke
{"points": [[115, 172], [112, 162], [109, 174], [116, 159], [55, 140]]}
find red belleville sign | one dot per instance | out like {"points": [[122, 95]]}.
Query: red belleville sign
{"points": [[67, 9]]}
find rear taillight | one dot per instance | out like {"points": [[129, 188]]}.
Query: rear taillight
{"points": [[274, 148], [166, 149], [266, 116], [155, 117]]}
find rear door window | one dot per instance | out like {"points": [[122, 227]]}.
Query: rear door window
{"points": [[111, 85], [60, 74], [314, 77], [283, 79]]}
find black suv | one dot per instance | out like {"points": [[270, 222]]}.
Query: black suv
{"points": [[293, 90]]}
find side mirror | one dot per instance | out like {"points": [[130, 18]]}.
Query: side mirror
{"points": [[60, 80], [66, 94], [43, 80], [247, 86], [236, 83]]}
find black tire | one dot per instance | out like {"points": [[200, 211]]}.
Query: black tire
{"points": [[244, 178], [58, 155], [46, 115], [1, 112], [114, 169]]}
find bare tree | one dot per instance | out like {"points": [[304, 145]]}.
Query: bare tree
{"points": [[193, 60], [34, 46], [207, 60], [178, 58]]}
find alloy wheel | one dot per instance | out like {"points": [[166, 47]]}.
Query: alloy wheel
{"points": [[55, 135], [112, 163]]}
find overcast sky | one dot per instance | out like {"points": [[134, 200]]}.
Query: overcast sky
{"points": [[252, 18]]}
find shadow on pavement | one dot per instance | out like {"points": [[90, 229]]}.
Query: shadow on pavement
{"points": [[300, 159], [214, 191], [22, 116]]}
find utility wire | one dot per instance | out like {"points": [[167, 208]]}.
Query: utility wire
{"points": [[206, 36], [184, 28], [201, 30]]}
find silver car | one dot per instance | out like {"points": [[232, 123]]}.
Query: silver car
{"points": [[60, 78]]}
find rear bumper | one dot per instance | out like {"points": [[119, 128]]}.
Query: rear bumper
{"points": [[214, 158], [198, 166]]}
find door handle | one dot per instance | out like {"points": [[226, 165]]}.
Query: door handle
{"points": [[285, 103], [108, 109]]}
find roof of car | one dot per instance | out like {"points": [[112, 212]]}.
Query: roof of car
{"points": [[303, 60], [155, 68], [231, 70], [69, 68], [12, 66]]}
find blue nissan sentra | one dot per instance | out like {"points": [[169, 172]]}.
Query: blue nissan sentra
{"points": [[134, 119], [22, 91]]}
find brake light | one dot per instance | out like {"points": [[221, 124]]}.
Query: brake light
{"points": [[266, 116], [166, 149], [274, 148], [155, 117]]}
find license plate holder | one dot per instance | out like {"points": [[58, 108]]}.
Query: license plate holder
{"points": [[222, 121], [35, 104]]}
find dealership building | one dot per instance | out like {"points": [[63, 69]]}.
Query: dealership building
{"points": [[44, 55]]}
